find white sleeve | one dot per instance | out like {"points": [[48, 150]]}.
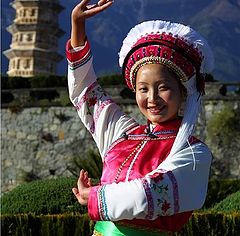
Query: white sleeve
{"points": [[179, 184], [101, 116]]}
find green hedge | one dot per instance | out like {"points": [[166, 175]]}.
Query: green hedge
{"points": [[51, 81], [224, 126], [219, 190], [42, 197], [33, 82], [230, 204], [80, 225], [212, 224], [46, 225]]}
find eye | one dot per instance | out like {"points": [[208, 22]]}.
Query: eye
{"points": [[163, 88], [143, 89]]}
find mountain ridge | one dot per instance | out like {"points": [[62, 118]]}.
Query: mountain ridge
{"points": [[217, 20]]}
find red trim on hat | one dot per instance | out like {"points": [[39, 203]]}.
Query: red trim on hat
{"points": [[172, 48]]}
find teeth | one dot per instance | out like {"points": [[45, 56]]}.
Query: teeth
{"points": [[155, 109]]}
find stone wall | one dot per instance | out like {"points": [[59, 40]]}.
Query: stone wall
{"points": [[41, 142]]}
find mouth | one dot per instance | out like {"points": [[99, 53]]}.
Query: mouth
{"points": [[156, 109]]}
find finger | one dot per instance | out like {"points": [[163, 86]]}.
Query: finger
{"points": [[89, 7], [80, 180], [85, 177], [101, 2], [83, 3], [89, 182], [98, 9], [77, 195], [81, 174], [75, 191]]}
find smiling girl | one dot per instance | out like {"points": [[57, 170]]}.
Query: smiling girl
{"points": [[154, 175]]}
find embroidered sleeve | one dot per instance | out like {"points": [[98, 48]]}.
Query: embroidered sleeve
{"points": [[101, 116], [172, 188]]}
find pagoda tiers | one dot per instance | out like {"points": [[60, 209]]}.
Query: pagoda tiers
{"points": [[35, 32]]}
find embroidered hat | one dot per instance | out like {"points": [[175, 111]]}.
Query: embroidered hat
{"points": [[182, 50], [175, 45]]}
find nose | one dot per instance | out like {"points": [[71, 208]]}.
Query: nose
{"points": [[153, 95]]}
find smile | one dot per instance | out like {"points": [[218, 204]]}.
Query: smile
{"points": [[156, 110]]}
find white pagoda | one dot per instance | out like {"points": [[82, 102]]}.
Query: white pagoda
{"points": [[35, 32]]}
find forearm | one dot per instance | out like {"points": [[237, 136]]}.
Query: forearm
{"points": [[78, 35]]}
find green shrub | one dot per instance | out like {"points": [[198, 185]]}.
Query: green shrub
{"points": [[46, 225], [209, 78], [42, 197], [211, 224], [52, 81], [219, 190], [80, 225], [230, 204], [113, 79], [224, 126], [15, 106], [18, 82], [41, 81], [90, 161]]}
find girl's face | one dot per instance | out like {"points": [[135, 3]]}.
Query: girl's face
{"points": [[158, 93]]}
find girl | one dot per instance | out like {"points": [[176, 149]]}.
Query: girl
{"points": [[154, 175]]}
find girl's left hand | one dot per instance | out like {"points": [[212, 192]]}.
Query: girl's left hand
{"points": [[83, 188]]}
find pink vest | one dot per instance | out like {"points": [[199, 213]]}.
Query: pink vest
{"points": [[137, 153]]}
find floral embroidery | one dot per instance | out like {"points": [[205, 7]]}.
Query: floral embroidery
{"points": [[165, 206], [156, 177], [94, 100], [159, 195]]}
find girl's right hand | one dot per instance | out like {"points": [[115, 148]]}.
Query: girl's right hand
{"points": [[80, 13]]}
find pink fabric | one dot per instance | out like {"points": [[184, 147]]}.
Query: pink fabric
{"points": [[93, 204], [153, 153]]}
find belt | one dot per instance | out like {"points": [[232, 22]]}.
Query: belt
{"points": [[108, 228]]}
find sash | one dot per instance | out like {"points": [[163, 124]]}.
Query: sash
{"points": [[108, 228]]}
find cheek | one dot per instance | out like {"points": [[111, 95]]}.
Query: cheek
{"points": [[140, 99], [167, 96]]}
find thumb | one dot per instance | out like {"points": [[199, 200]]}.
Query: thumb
{"points": [[75, 191]]}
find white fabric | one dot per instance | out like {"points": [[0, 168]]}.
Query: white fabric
{"points": [[111, 123], [159, 26], [128, 200]]}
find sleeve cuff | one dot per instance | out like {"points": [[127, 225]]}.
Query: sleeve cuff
{"points": [[76, 54], [93, 204]]}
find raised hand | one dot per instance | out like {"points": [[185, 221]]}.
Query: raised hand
{"points": [[80, 13]]}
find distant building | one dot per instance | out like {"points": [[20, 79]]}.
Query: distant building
{"points": [[35, 32]]}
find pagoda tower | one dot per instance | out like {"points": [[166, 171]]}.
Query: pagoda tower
{"points": [[35, 32]]}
